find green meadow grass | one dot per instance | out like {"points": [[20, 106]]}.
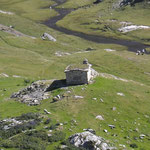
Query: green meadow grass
{"points": [[35, 59], [37, 10]]}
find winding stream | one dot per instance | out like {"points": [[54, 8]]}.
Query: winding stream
{"points": [[132, 45]]}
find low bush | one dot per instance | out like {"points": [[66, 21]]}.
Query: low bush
{"points": [[23, 142], [57, 136], [28, 116]]}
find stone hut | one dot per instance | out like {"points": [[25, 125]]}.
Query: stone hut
{"points": [[78, 73]]}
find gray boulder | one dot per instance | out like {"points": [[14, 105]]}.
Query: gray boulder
{"points": [[48, 36], [90, 141]]}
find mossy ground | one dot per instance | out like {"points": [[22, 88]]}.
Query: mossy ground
{"points": [[35, 59]]}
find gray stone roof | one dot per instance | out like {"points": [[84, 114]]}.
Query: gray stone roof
{"points": [[82, 67]]}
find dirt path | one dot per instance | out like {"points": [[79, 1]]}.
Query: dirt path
{"points": [[132, 45]]}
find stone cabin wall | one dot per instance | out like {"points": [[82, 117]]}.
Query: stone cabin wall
{"points": [[75, 77]]}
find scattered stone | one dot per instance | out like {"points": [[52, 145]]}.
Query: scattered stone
{"points": [[136, 130], [57, 98], [9, 123], [146, 116], [6, 12], [47, 112], [4, 75], [88, 140], [11, 26], [114, 135], [135, 138], [70, 130], [59, 53], [105, 130], [101, 100], [48, 36], [90, 49], [73, 121], [142, 136], [63, 146], [50, 131], [33, 94], [111, 126], [125, 23], [121, 145], [15, 76], [49, 135], [99, 117], [109, 50], [114, 108], [120, 94], [78, 97]]}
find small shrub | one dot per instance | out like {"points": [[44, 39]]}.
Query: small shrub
{"points": [[26, 81], [133, 145], [57, 136], [23, 142], [28, 116], [47, 121], [39, 134], [53, 127]]}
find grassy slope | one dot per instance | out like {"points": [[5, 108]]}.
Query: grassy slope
{"points": [[96, 19], [35, 59], [31, 9]]}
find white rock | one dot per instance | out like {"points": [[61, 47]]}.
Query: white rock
{"points": [[49, 135], [99, 117], [111, 126], [120, 94], [81, 139], [142, 136], [109, 50], [101, 100], [6, 12], [132, 28], [4, 75], [47, 112], [78, 97], [114, 108], [105, 131], [15, 76], [49, 37]]}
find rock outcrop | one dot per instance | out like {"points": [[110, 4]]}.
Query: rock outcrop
{"points": [[122, 3], [33, 94], [49, 37], [12, 31], [90, 141]]}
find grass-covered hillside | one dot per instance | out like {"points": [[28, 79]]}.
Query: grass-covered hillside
{"points": [[106, 17], [120, 94]]}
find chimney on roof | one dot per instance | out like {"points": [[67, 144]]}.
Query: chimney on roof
{"points": [[85, 61]]}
